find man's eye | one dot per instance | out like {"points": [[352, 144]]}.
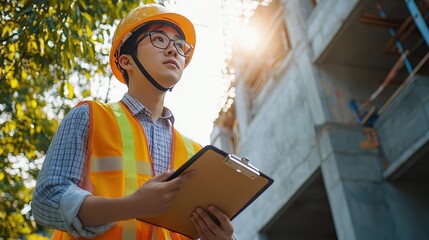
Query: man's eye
{"points": [[180, 45], [160, 39]]}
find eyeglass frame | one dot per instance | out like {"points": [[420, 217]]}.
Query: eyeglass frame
{"points": [[185, 54]]}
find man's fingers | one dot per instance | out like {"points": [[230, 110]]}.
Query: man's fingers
{"points": [[160, 184], [224, 221], [188, 174], [209, 221], [178, 181], [204, 224], [197, 226], [208, 228]]}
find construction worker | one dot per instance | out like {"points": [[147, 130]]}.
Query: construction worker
{"points": [[107, 163]]}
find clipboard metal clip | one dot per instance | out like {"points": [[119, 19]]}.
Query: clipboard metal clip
{"points": [[246, 161], [242, 165]]}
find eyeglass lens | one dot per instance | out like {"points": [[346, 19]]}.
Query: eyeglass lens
{"points": [[160, 40]]}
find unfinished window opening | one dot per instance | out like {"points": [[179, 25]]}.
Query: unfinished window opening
{"points": [[257, 64]]}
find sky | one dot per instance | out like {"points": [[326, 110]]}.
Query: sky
{"points": [[196, 100]]}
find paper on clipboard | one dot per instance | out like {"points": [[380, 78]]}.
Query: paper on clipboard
{"points": [[222, 180]]}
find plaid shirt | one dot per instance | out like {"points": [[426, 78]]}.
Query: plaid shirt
{"points": [[58, 196]]}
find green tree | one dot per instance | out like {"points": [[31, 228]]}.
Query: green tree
{"points": [[45, 44]]}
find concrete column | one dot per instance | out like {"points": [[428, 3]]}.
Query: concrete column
{"points": [[354, 185]]}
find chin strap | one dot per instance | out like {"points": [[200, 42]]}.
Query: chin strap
{"points": [[148, 76]]}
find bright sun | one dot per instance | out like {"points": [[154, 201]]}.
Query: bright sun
{"points": [[249, 39]]}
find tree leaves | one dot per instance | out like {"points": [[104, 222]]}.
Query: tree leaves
{"points": [[48, 57]]}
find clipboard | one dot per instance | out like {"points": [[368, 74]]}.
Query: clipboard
{"points": [[223, 180]]}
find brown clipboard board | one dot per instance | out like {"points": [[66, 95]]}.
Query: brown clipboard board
{"points": [[223, 180]]}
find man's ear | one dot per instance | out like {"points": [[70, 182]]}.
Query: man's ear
{"points": [[125, 61]]}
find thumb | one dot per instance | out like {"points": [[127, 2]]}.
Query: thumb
{"points": [[162, 176]]}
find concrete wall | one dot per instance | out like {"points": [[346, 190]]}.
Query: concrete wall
{"points": [[408, 116], [288, 151], [324, 23], [339, 84], [280, 139]]}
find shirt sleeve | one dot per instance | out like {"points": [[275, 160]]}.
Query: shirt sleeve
{"points": [[57, 196]]}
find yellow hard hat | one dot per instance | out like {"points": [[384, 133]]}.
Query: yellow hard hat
{"points": [[143, 14]]}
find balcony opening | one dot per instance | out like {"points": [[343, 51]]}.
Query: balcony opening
{"points": [[306, 216]]}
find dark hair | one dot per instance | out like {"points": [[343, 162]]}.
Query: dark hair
{"points": [[129, 45]]}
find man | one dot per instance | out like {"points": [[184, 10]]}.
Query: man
{"points": [[108, 163]]}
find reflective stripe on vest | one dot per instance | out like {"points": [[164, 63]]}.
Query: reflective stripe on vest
{"points": [[189, 146], [106, 164], [130, 184], [129, 230]]}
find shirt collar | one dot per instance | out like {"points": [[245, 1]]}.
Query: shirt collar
{"points": [[136, 107]]}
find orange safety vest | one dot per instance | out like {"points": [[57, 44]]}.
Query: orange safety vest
{"points": [[116, 167]]}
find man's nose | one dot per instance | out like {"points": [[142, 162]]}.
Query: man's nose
{"points": [[171, 48]]}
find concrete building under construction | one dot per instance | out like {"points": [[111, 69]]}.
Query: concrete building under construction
{"points": [[333, 104]]}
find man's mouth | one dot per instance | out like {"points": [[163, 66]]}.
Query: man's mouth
{"points": [[172, 62]]}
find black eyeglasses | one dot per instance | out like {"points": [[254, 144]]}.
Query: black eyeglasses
{"points": [[161, 40]]}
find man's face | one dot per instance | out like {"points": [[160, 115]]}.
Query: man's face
{"points": [[164, 65]]}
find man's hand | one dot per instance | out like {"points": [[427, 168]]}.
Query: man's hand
{"points": [[156, 195], [208, 229], [151, 199]]}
